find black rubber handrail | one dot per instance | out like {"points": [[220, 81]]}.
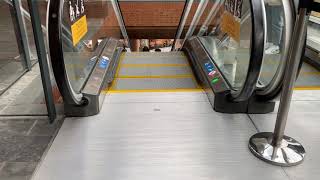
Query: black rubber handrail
{"points": [[256, 54], [54, 20], [275, 92]]}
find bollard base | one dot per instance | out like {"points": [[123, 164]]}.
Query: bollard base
{"points": [[289, 153]]}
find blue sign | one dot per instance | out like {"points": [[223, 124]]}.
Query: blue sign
{"points": [[209, 67], [104, 62]]}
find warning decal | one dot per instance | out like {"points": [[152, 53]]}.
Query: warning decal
{"points": [[79, 29]]}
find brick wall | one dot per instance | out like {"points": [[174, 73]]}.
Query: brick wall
{"points": [[157, 20]]}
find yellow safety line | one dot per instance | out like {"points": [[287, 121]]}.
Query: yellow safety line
{"points": [[152, 90], [153, 65], [157, 77], [309, 73], [307, 88]]}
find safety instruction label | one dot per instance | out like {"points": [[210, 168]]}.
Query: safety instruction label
{"points": [[79, 29]]}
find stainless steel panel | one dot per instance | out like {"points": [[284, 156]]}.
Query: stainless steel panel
{"points": [[172, 141]]}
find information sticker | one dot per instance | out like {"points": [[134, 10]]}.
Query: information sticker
{"points": [[78, 19]]}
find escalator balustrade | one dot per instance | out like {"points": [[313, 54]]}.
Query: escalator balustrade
{"points": [[222, 53]]}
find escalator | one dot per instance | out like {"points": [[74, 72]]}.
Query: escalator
{"points": [[220, 50]]}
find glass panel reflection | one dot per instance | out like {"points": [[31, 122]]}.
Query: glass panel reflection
{"points": [[85, 24], [11, 67], [274, 48], [230, 47]]}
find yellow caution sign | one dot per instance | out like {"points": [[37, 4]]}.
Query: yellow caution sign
{"points": [[231, 26], [79, 29]]}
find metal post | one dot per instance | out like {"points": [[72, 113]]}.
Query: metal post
{"points": [[42, 58], [183, 20], [276, 148], [196, 18], [212, 14], [117, 10]]}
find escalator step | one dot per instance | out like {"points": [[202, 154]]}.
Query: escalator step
{"points": [[154, 83]]}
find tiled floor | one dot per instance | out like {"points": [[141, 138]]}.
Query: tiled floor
{"points": [[22, 144]]}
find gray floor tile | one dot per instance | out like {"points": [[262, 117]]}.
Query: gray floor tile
{"points": [[25, 110], [15, 127], [2, 165], [44, 128], [22, 148], [17, 170], [2, 106]]}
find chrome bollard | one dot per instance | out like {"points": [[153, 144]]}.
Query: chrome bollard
{"points": [[276, 148]]}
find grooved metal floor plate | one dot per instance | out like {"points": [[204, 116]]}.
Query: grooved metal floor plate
{"points": [[173, 139], [154, 83]]}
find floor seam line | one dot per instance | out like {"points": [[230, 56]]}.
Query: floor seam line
{"points": [[254, 124], [33, 125], [285, 172]]}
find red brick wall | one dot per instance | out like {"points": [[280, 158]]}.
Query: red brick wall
{"points": [[156, 20], [151, 20]]}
